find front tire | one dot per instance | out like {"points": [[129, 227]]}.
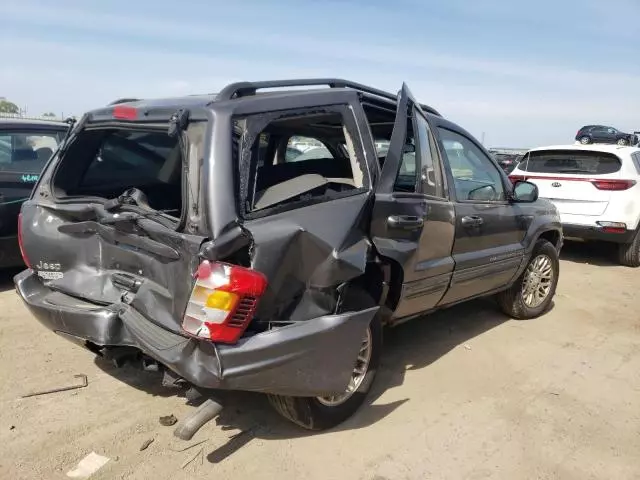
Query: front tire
{"points": [[323, 413], [629, 253], [622, 142], [532, 293]]}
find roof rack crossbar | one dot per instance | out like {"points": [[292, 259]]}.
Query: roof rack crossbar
{"points": [[241, 89]]}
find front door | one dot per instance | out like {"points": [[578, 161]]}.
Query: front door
{"points": [[412, 222], [489, 229]]}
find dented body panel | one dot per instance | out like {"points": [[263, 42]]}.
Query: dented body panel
{"points": [[282, 361]]}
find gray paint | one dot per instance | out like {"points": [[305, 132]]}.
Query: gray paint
{"points": [[123, 289]]}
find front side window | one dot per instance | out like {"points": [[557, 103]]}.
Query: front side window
{"points": [[27, 152], [475, 176]]}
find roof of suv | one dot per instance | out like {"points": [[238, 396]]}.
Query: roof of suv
{"points": [[596, 147], [287, 88], [13, 122]]}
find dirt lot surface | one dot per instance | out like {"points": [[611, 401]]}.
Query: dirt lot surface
{"points": [[464, 393]]}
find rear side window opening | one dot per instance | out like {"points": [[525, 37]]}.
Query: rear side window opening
{"points": [[571, 162], [293, 159], [105, 162]]}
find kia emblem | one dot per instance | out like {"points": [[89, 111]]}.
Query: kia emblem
{"points": [[556, 184]]}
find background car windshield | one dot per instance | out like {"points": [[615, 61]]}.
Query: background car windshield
{"points": [[27, 152]]}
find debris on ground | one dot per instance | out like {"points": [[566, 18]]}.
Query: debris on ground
{"points": [[467, 346], [187, 447], [146, 444], [83, 383], [88, 466], [168, 420], [200, 453], [12, 427]]}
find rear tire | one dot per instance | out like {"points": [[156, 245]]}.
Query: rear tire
{"points": [[622, 142], [629, 253], [515, 301], [585, 140], [314, 414]]}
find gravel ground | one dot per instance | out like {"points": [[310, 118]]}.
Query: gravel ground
{"points": [[463, 393]]}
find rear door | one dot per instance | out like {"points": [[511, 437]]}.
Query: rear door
{"points": [[489, 229], [24, 150], [569, 179], [412, 221]]}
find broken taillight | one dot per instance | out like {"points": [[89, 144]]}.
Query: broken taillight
{"points": [[20, 242], [223, 301]]}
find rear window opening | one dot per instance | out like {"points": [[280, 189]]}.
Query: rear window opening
{"points": [[571, 162], [297, 160], [106, 162]]}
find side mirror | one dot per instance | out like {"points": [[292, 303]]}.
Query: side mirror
{"points": [[524, 192]]}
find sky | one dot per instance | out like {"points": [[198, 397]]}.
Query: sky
{"points": [[516, 73]]}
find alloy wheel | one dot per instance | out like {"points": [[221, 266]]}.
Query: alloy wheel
{"points": [[537, 281]]}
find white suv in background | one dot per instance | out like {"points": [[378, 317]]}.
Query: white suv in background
{"points": [[596, 189]]}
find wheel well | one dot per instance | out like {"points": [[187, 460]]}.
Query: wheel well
{"points": [[552, 236], [382, 280]]}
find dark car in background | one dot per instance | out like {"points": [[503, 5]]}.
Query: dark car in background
{"points": [[507, 161], [604, 134], [25, 147]]}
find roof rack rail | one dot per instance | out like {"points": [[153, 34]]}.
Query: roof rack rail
{"points": [[241, 89], [124, 100]]}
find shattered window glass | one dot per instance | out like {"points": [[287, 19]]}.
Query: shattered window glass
{"points": [[302, 159]]}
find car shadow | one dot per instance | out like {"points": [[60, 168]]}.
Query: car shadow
{"points": [[601, 254], [6, 278], [410, 346]]}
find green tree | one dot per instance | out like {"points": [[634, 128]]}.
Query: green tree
{"points": [[49, 115], [8, 107]]}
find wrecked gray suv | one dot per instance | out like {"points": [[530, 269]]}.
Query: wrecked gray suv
{"points": [[257, 240]]}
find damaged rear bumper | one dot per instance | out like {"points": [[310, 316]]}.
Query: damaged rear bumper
{"points": [[310, 358]]}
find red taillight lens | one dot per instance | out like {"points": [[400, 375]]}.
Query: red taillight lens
{"points": [[517, 178], [223, 301], [124, 112], [20, 244], [614, 230], [613, 185]]}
